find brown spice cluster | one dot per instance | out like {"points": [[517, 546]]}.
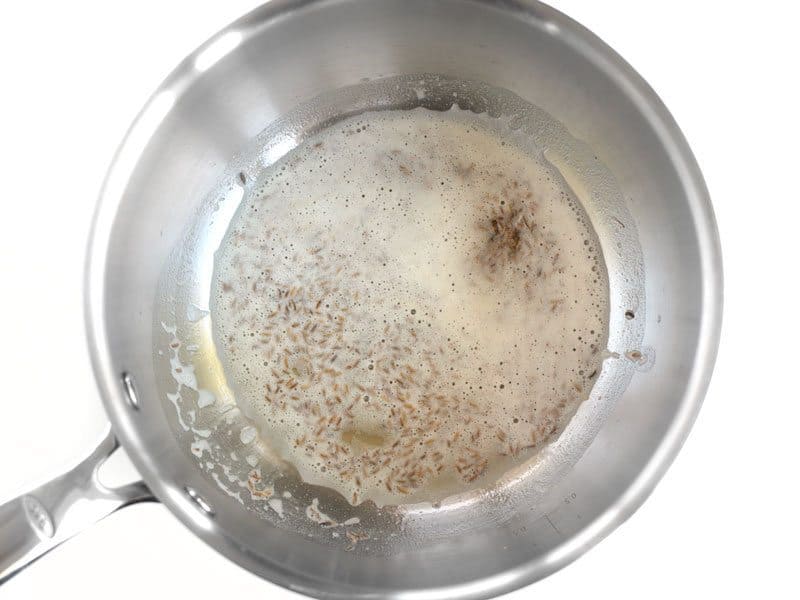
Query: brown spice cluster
{"points": [[508, 226]]}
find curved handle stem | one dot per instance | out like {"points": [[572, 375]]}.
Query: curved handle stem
{"points": [[35, 523]]}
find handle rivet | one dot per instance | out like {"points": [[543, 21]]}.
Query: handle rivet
{"points": [[130, 391], [201, 502]]}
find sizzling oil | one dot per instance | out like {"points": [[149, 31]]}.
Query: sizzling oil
{"points": [[409, 303]]}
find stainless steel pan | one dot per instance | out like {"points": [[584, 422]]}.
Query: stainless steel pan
{"points": [[231, 107]]}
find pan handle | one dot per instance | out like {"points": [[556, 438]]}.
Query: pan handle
{"points": [[35, 523]]}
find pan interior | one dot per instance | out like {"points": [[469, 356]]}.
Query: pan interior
{"points": [[199, 401]]}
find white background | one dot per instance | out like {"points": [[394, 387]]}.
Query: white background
{"points": [[724, 520]]}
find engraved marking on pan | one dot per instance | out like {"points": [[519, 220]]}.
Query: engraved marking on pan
{"points": [[38, 517], [547, 518]]}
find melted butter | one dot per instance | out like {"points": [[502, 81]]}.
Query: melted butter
{"points": [[408, 304]]}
